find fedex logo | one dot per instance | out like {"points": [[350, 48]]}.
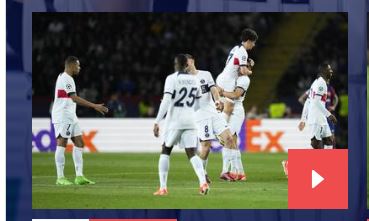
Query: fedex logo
{"points": [[255, 133], [44, 140]]}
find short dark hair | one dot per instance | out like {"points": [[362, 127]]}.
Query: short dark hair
{"points": [[71, 60], [248, 34], [182, 60], [323, 67], [189, 56]]}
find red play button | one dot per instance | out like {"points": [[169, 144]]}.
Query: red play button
{"points": [[317, 179]]}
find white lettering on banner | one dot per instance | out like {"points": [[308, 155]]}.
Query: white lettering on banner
{"points": [[135, 135]]}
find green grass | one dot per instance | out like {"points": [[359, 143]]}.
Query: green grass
{"points": [[126, 180]]}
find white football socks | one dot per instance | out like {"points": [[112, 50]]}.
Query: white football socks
{"points": [[163, 170], [199, 169], [226, 155], [205, 164], [78, 160], [59, 161], [233, 159], [239, 164]]}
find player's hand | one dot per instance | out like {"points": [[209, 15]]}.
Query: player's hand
{"points": [[101, 109], [248, 71], [219, 106], [301, 126], [331, 109], [333, 119], [156, 130], [251, 62]]}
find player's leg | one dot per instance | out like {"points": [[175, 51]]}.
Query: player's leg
{"points": [[240, 172], [316, 144], [328, 142], [189, 142], [61, 140], [227, 154], [332, 127], [205, 134], [228, 108], [235, 123], [171, 137], [77, 154], [227, 83], [316, 134], [328, 138], [163, 167], [204, 155], [285, 167]]}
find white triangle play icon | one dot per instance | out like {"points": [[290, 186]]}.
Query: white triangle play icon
{"points": [[316, 179]]}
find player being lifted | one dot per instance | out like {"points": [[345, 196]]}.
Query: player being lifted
{"points": [[236, 64], [181, 94], [237, 118], [209, 122], [66, 124]]}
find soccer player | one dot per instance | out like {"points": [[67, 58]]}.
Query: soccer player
{"points": [[209, 122], [238, 117], [66, 124], [331, 105], [181, 93], [317, 113], [316, 107], [236, 63]]}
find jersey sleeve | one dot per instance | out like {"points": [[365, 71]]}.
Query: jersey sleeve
{"points": [[69, 86], [169, 85], [210, 80], [243, 82], [241, 57], [320, 89]]}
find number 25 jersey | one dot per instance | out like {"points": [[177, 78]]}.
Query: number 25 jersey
{"points": [[184, 89]]}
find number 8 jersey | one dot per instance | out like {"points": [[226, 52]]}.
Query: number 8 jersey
{"points": [[184, 89]]}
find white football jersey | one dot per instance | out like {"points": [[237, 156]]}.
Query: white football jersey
{"points": [[243, 82], [236, 58], [64, 108], [315, 114], [207, 107], [184, 89]]}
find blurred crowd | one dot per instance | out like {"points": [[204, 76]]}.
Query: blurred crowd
{"points": [[126, 57]]}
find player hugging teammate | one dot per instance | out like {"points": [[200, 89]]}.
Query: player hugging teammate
{"points": [[197, 109]]}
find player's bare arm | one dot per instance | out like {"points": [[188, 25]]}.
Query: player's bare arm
{"points": [[83, 102], [238, 92], [216, 96], [303, 98]]}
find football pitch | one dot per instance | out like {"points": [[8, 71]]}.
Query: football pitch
{"points": [[127, 180]]}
